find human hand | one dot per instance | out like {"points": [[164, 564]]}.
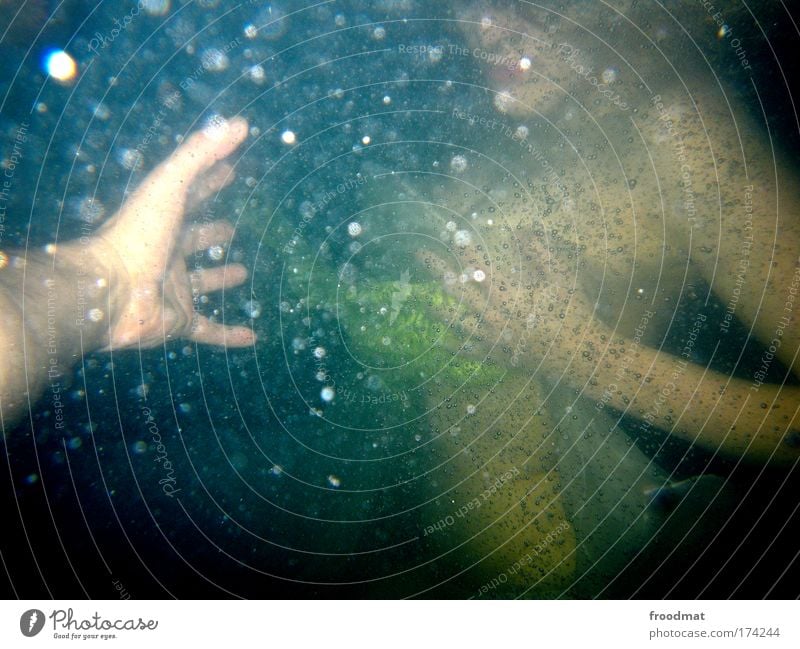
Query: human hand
{"points": [[516, 295], [146, 245]]}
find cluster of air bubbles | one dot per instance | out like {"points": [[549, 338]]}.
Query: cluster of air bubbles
{"points": [[216, 253], [502, 101], [334, 481], [354, 229], [458, 164], [379, 33], [257, 74], [327, 394], [214, 60], [610, 75], [131, 159], [155, 7], [91, 210], [215, 127], [521, 132], [374, 383], [462, 238], [320, 353], [252, 309], [306, 209], [451, 226]]}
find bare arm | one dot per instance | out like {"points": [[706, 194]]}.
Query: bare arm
{"points": [[128, 286], [528, 314]]}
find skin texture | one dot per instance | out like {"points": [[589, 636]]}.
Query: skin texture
{"points": [[133, 272], [567, 280]]}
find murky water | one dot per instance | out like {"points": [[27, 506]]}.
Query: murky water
{"points": [[517, 274]]}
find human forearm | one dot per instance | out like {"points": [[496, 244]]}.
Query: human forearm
{"points": [[54, 307], [736, 417]]}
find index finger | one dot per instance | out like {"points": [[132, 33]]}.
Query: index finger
{"points": [[146, 225]]}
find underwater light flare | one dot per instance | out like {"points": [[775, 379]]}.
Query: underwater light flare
{"points": [[60, 66]]}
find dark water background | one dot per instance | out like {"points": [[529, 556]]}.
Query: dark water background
{"points": [[281, 494]]}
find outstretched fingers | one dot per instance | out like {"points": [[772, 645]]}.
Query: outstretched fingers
{"points": [[213, 333], [201, 237], [208, 280], [209, 183], [203, 149], [146, 226]]}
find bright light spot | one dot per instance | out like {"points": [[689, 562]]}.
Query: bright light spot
{"points": [[524, 63], [462, 238], [609, 75], [502, 101], [288, 137], [131, 159], [334, 482], [252, 308], [479, 276], [216, 127], [354, 229], [155, 7], [471, 409], [327, 394], [214, 60], [257, 74], [458, 163], [61, 66]]}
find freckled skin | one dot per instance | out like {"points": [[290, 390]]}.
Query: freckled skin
{"points": [[615, 238]]}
